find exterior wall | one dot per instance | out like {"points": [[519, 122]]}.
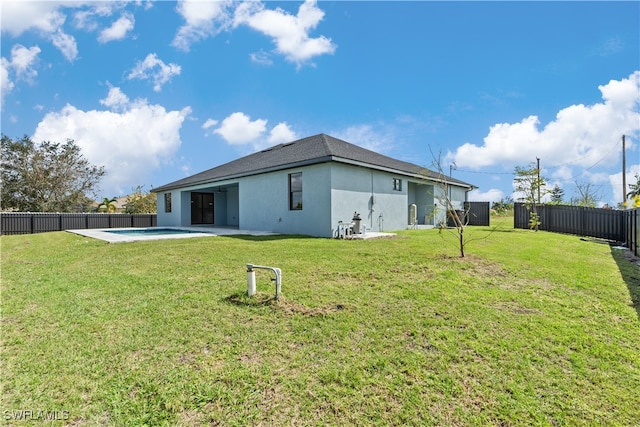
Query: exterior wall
{"points": [[458, 197], [220, 207], [185, 208], [173, 218], [233, 207], [371, 194], [264, 202]]}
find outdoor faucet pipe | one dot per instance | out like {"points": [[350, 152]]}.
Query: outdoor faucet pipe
{"points": [[251, 278]]}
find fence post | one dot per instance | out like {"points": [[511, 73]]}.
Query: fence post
{"points": [[633, 231], [627, 228]]}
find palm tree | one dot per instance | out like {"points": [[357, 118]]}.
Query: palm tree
{"points": [[108, 205], [635, 189]]}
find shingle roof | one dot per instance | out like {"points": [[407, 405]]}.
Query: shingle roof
{"points": [[306, 151]]}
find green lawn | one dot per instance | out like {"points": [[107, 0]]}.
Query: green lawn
{"points": [[529, 328]]}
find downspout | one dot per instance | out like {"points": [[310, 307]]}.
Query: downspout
{"points": [[372, 201]]}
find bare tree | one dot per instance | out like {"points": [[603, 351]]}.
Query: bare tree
{"points": [[458, 215], [587, 195]]}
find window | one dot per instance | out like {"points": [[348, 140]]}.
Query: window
{"points": [[295, 191], [167, 202], [397, 184]]}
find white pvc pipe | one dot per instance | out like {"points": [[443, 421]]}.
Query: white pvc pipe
{"points": [[251, 278], [251, 283], [278, 281]]}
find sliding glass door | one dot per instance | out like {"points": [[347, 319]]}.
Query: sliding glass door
{"points": [[201, 208]]}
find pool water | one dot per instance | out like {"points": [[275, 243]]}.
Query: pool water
{"points": [[151, 232]]}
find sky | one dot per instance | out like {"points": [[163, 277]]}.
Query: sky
{"points": [[156, 91]]}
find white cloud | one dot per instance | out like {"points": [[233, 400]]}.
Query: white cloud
{"points": [[116, 100], [207, 125], [66, 44], [492, 195], [580, 135], [118, 29], [6, 85], [88, 19], [153, 68], [130, 143], [23, 60], [20, 16], [622, 95], [563, 173], [43, 17], [238, 129], [203, 19], [261, 58], [290, 33], [281, 133], [47, 19], [21, 66]]}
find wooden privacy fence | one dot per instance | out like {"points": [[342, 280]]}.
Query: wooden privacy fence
{"points": [[616, 225], [27, 223]]}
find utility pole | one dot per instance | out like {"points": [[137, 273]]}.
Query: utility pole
{"points": [[538, 170], [624, 173], [451, 168]]}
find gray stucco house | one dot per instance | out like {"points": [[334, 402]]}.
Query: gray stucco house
{"points": [[306, 187]]}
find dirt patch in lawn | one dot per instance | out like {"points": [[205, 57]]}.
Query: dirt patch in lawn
{"points": [[284, 305]]}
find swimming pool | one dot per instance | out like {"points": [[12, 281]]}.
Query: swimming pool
{"points": [[120, 235]]}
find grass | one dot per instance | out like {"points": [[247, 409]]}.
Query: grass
{"points": [[529, 328]]}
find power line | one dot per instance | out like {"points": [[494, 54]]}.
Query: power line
{"points": [[585, 170], [572, 163], [487, 173]]}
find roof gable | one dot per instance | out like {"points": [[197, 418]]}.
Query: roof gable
{"points": [[306, 151]]}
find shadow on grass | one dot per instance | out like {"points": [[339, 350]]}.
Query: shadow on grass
{"points": [[502, 230], [630, 271], [269, 238], [258, 300]]}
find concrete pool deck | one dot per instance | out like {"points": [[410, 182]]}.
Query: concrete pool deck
{"points": [[107, 236]]}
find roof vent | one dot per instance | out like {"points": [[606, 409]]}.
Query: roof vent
{"points": [[277, 146]]}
